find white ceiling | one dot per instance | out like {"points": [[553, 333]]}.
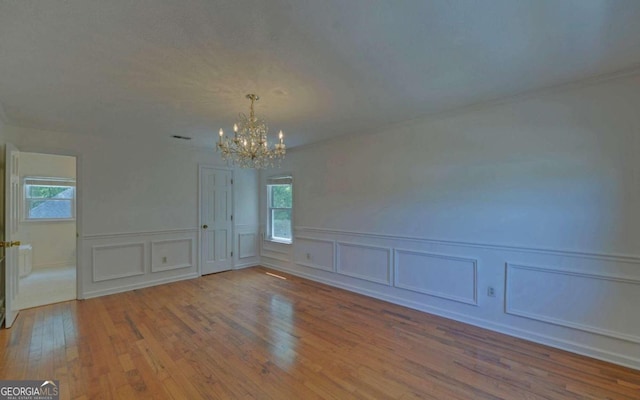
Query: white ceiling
{"points": [[322, 68]]}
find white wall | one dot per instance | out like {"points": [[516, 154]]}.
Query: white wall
{"points": [[246, 213], [53, 242], [536, 197], [138, 199]]}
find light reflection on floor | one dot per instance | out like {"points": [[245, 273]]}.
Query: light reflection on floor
{"points": [[283, 342]]}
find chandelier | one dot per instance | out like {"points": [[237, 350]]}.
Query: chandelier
{"points": [[249, 147]]}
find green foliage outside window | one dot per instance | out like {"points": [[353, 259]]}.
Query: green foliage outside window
{"points": [[281, 196], [280, 205]]}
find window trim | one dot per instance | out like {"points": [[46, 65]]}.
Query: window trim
{"points": [[47, 181], [286, 179]]}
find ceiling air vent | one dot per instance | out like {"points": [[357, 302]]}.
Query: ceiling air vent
{"points": [[181, 137]]}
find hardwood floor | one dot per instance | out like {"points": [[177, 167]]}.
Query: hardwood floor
{"points": [[246, 334]]}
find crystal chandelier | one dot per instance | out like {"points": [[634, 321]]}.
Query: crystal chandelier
{"points": [[249, 147]]}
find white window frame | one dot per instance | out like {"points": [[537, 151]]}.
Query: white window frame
{"points": [[274, 181], [47, 181]]}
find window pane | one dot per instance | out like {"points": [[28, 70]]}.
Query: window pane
{"points": [[49, 192], [50, 209], [281, 224], [280, 196]]}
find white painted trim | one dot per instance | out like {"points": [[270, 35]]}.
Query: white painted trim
{"points": [[276, 257], [133, 286], [172, 267], [315, 266], [255, 245], [559, 322], [117, 245], [246, 265], [274, 251], [621, 258], [474, 262], [331, 268], [610, 277], [574, 347], [142, 233], [390, 274]]}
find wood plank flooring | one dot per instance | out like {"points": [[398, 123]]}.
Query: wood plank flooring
{"points": [[248, 335]]}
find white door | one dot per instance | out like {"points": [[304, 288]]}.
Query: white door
{"points": [[216, 220], [11, 198]]}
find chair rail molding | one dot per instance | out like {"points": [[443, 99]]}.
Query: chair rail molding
{"points": [[625, 258]]}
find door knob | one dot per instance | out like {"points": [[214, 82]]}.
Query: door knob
{"points": [[16, 243], [205, 226]]}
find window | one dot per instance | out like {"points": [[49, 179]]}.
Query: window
{"points": [[279, 204], [49, 198]]}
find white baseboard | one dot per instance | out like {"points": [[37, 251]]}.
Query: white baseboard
{"points": [[570, 346], [127, 288], [245, 265]]}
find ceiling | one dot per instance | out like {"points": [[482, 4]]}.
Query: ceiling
{"points": [[322, 68]]}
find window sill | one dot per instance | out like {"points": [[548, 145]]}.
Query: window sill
{"points": [[279, 241], [48, 220]]}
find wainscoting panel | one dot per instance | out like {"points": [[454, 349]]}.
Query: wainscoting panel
{"points": [[444, 276], [580, 301], [371, 263], [171, 254], [115, 261], [247, 250], [118, 262], [275, 250], [584, 301], [247, 244], [314, 253]]}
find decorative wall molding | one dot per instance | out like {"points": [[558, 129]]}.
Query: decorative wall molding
{"points": [[135, 260], [158, 267], [100, 276], [510, 309], [305, 263], [276, 247], [370, 263], [275, 257], [472, 297], [247, 245], [125, 288], [568, 345], [621, 258], [144, 233]]}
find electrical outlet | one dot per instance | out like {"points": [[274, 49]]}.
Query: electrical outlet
{"points": [[164, 259], [491, 292]]}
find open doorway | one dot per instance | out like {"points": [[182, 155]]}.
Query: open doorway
{"points": [[46, 229]]}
